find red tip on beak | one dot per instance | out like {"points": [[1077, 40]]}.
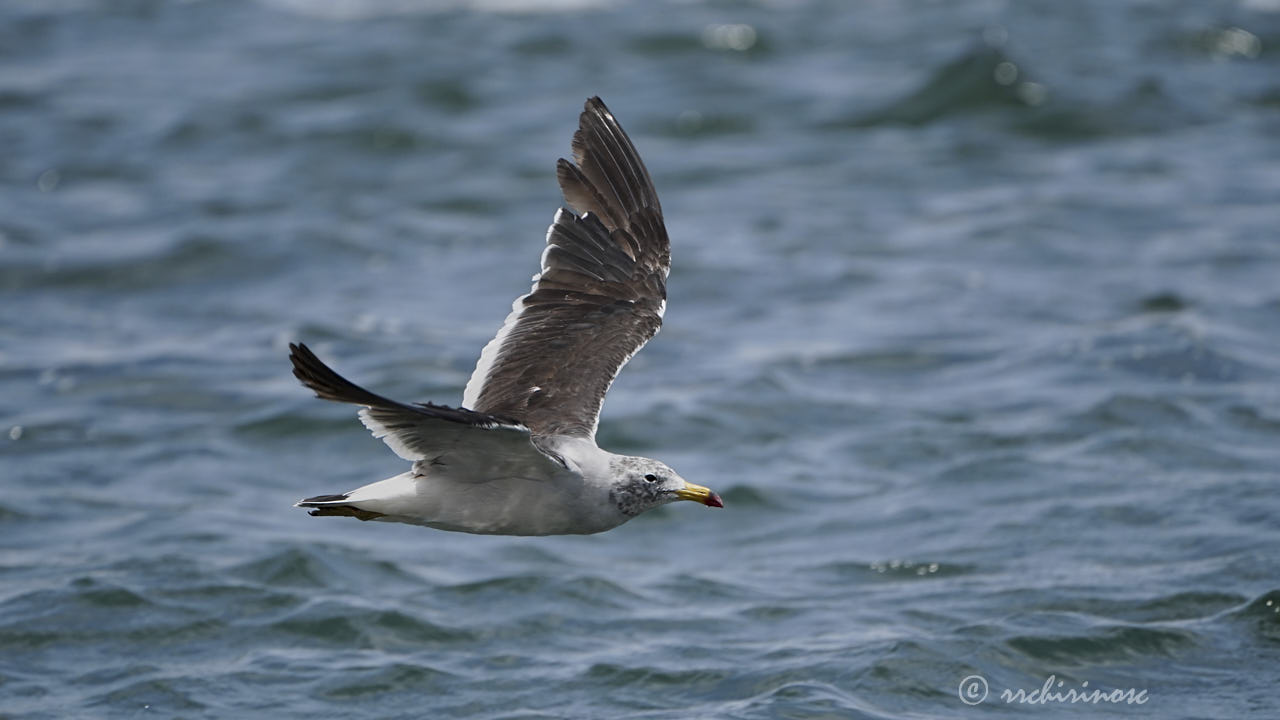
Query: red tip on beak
{"points": [[713, 500]]}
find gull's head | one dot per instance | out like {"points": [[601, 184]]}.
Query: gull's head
{"points": [[641, 484]]}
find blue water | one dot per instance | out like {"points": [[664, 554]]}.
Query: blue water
{"points": [[974, 322]]}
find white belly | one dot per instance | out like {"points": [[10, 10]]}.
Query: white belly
{"points": [[563, 504]]}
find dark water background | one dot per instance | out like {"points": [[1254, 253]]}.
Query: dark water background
{"points": [[974, 322]]}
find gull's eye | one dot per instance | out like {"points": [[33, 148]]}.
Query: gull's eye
{"points": [[651, 477]]}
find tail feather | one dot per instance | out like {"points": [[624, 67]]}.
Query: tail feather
{"points": [[345, 511], [332, 506], [319, 499]]}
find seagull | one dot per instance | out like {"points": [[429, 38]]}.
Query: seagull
{"points": [[519, 457]]}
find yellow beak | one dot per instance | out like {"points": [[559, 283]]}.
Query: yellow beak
{"points": [[697, 493]]}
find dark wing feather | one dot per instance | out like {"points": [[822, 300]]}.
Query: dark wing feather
{"points": [[418, 432], [599, 297]]}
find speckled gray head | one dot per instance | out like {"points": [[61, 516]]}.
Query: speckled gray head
{"points": [[642, 484]]}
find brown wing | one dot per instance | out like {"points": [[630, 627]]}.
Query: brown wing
{"points": [[599, 297]]}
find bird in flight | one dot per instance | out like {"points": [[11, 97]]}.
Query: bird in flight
{"points": [[520, 456]]}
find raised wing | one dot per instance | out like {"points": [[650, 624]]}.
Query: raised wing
{"points": [[452, 439], [598, 299]]}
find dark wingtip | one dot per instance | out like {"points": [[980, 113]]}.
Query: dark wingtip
{"points": [[325, 382], [305, 367], [595, 106], [301, 357]]}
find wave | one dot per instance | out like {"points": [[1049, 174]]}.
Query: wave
{"points": [[984, 77], [1123, 643], [335, 624], [1262, 615]]}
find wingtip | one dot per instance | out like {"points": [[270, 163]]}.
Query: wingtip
{"points": [[299, 357], [595, 106], [321, 379]]}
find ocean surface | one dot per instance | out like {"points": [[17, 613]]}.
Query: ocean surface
{"points": [[974, 322]]}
